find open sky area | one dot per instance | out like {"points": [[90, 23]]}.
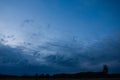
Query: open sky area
{"points": [[59, 36]]}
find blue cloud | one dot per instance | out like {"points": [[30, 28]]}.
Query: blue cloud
{"points": [[67, 57]]}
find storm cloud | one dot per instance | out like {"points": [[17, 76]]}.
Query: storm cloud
{"points": [[61, 56]]}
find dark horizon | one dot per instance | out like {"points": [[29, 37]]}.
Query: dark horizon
{"points": [[81, 75]]}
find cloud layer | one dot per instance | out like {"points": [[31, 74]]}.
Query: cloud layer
{"points": [[60, 56]]}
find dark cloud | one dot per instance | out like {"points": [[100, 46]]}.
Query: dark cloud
{"points": [[69, 55], [27, 22], [4, 38], [106, 52], [16, 61], [61, 56], [9, 55]]}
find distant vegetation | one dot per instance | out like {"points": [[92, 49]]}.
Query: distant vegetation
{"points": [[77, 76]]}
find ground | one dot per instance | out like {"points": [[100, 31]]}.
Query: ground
{"points": [[58, 79]]}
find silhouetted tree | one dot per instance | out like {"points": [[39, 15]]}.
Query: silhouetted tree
{"points": [[105, 69]]}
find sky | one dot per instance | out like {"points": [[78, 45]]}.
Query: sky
{"points": [[59, 36]]}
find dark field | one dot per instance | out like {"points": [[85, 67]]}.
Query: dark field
{"points": [[58, 79]]}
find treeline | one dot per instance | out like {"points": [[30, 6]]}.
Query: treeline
{"points": [[63, 75], [102, 74]]}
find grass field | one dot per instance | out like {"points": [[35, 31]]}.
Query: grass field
{"points": [[58, 79]]}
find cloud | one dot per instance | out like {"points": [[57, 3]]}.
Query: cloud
{"points": [[9, 55], [18, 61], [27, 22], [106, 51], [61, 56], [69, 56]]}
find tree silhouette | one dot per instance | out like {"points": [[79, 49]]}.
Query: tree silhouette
{"points": [[105, 69]]}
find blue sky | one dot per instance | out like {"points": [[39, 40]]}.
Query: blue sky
{"points": [[59, 34]]}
